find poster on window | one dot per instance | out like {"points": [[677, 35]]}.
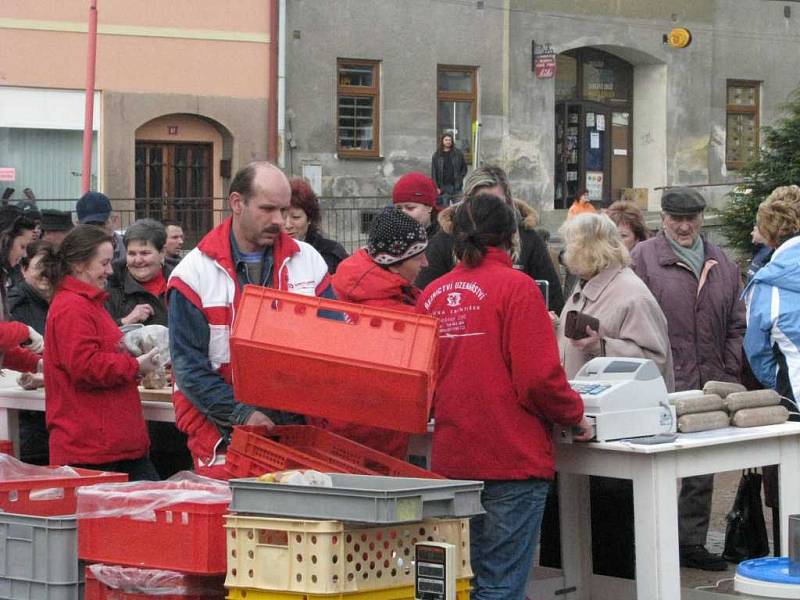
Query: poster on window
{"points": [[594, 184]]}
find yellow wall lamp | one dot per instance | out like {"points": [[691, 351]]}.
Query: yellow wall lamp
{"points": [[679, 37]]}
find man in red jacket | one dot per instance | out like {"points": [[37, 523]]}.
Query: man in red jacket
{"points": [[382, 274]]}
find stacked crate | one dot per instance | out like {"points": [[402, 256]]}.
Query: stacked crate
{"points": [[185, 538], [363, 365], [38, 530], [353, 540]]}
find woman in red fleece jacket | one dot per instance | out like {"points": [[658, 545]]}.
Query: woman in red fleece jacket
{"points": [[93, 409], [500, 389], [382, 274]]}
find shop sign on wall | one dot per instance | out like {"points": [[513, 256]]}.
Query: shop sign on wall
{"points": [[544, 60], [8, 173]]}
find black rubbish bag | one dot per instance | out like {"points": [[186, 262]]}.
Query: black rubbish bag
{"points": [[746, 533]]}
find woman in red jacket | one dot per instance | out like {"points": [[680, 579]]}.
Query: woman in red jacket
{"points": [[500, 390], [93, 410], [382, 274]]}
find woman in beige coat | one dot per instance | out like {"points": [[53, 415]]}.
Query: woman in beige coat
{"points": [[631, 322], [632, 325]]}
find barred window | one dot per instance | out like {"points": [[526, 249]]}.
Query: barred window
{"points": [[358, 108], [741, 140]]}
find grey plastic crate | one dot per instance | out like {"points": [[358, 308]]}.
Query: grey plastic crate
{"points": [[360, 499], [39, 558]]}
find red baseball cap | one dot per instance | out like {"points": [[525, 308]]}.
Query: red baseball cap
{"points": [[415, 187]]}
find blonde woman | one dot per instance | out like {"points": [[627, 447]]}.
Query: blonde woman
{"points": [[631, 322]]}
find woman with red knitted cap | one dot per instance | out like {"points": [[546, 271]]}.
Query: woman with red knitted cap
{"points": [[415, 194]]}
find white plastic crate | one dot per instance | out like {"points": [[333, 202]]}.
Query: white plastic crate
{"points": [[332, 557]]}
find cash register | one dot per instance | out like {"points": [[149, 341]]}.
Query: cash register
{"points": [[623, 398]]}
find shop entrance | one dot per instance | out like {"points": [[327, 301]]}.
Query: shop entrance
{"points": [[593, 126]]}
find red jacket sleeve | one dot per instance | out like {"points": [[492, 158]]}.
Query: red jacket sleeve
{"points": [[81, 353], [530, 343], [12, 334], [21, 359]]}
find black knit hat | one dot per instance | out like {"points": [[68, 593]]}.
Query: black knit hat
{"points": [[395, 237]]}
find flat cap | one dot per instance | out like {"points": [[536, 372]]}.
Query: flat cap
{"points": [[56, 220], [682, 201]]}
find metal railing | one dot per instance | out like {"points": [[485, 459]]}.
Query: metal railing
{"points": [[344, 219]]}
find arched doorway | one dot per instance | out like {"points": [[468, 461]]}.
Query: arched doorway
{"points": [[177, 172], [593, 126]]}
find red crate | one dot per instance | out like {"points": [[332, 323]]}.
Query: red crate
{"points": [[97, 590], [188, 537], [19, 496], [257, 451], [377, 368], [6, 447], [241, 465]]}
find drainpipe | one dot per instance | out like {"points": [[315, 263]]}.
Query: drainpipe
{"points": [[282, 85], [272, 100], [88, 111]]}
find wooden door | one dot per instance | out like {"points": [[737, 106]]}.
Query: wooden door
{"points": [[173, 183]]}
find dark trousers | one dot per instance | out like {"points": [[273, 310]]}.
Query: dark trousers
{"points": [[138, 469], [169, 451], [694, 509]]}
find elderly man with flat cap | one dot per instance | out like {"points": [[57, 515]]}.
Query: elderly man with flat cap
{"points": [[698, 287]]}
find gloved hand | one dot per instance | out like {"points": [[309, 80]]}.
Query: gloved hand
{"points": [[35, 341], [143, 339], [148, 362]]}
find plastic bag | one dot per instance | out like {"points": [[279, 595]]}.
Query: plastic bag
{"points": [[141, 340], [140, 499], [746, 532], [154, 582], [12, 469], [307, 477]]}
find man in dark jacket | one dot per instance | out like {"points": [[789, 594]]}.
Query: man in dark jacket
{"points": [[530, 254], [698, 287], [448, 168]]}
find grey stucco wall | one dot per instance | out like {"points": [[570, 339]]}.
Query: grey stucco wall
{"points": [[410, 38], [679, 95]]}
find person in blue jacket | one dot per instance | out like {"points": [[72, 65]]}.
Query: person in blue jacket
{"points": [[772, 341]]}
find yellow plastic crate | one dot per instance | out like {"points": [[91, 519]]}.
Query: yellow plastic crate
{"points": [[405, 592], [332, 557]]}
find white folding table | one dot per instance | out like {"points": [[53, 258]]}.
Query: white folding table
{"points": [[655, 471], [13, 399]]}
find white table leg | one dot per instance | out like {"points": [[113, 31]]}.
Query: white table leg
{"points": [[789, 485], [655, 508], [576, 535], [5, 426], [9, 427]]}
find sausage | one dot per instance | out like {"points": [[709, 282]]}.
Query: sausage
{"points": [[703, 421], [723, 388], [753, 399], [706, 403], [764, 415]]}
